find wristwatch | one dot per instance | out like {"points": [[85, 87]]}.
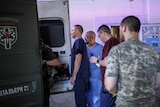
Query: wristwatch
{"points": [[44, 62], [113, 95], [98, 61]]}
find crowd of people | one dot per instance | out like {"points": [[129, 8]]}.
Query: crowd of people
{"points": [[125, 74]]}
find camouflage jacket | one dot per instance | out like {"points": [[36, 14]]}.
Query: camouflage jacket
{"points": [[135, 64]]}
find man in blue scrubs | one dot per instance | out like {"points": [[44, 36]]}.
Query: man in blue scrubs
{"points": [[79, 66], [95, 80]]}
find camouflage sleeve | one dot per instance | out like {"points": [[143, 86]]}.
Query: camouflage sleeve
{"points": [[112, 67], [159, 63]]}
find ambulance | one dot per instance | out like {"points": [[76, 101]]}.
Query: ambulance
{"points": [[54, 26]]}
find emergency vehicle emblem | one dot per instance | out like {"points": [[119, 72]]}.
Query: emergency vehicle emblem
{"points": [[8, 32]]}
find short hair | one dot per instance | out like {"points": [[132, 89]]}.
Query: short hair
{"points": [[104, 28], [79, 27], [92, 34], [132, 22]]}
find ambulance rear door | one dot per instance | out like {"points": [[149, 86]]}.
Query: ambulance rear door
{"points": [[20, 56], [55, 31]]}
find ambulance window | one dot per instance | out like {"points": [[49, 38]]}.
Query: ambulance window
{"points": [[52, 32]]}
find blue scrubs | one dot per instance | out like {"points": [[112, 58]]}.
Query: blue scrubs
{"points": [[81, 83], [107, 99], [95, 80]]}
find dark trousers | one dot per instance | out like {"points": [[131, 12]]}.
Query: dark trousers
{"points": [[106, 99], [46, 97], [80, 89], [46, 91]]}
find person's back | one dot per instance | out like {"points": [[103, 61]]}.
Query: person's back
{"points": [[137, 73], [132, 68]]}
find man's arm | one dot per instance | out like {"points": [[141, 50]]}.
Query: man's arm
{"points": [[49, 57], [103, 62], [53, 62], [111, 84], [112, 71], [77, 64], [94, 59]]}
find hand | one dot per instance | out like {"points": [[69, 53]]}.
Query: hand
{"points": [[93, 59], [72, 80]]}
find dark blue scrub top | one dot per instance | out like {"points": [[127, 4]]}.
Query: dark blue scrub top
{"points": [[79, 46]]}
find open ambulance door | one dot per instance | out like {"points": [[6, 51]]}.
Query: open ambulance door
{"points": [[54, 26], [20, 56]]}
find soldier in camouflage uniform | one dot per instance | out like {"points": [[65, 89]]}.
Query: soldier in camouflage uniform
{"points": [[49, 60], [132, 68]]}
